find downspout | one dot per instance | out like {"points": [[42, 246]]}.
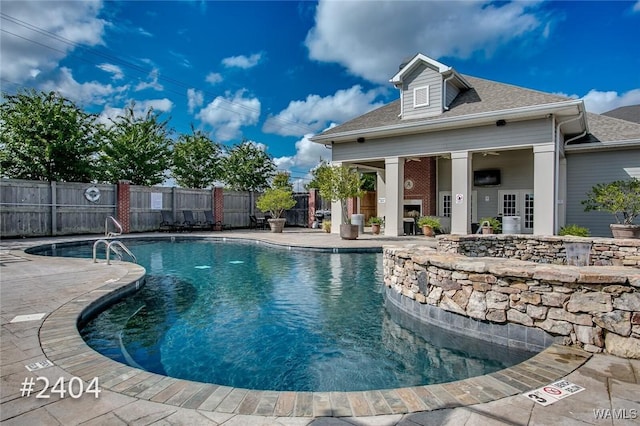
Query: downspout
{"points": [[557, 166]]}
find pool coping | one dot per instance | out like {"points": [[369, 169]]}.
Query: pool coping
{"points": [[63, 345]]}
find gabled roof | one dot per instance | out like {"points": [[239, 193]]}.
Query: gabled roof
{"points": [[629, 113], [418, 59], [486, 97]]}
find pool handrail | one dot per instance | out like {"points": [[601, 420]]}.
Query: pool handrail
{"points": [[108, 233], [111, 246]]}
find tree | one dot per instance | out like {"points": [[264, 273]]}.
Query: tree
{"points": [[621, 198], [197, 160], [44, 136], [275, 201], [248, 167], [338, 183], [281, 180], [137, 149]]}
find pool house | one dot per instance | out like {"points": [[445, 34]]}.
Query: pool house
{"points": [[464, 148]]}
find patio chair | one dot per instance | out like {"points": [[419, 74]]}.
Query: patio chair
{"points": [[189, 222], [169, 223], [213, 224]]}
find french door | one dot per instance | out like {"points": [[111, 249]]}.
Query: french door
{"points": [[518, 203]]}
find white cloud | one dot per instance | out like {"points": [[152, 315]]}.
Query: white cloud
{"points": [[213, 78], [89, 93], [228, 114], [158, 105], [152, 83], [599, 102], [242, 61], [396, 29], [316, 113], [195, 99], [28, 47], [308, 155], [115, 70]]}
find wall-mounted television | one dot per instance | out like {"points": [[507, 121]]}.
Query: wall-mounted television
{"points": [[489, 177]]}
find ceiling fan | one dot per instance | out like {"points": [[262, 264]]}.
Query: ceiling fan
{"points": [[485, 153]]}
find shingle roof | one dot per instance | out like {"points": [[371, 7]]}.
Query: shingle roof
{"points": [[489, 96], [629, 113]]}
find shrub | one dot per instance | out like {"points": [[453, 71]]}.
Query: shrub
{"points": [[431, 221], [620, 198], [493, 222], [276, 201], [375, 220], [575, 230]]}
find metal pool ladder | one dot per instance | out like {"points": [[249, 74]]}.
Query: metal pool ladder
{"points": [[114, 246], [108, 233]]}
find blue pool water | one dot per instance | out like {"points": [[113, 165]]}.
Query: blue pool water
{"points": [[252, 316]]}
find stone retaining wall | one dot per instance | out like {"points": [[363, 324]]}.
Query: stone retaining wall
{"points": [[594, 307], [604, 251]]}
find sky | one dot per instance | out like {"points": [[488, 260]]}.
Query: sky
{"points": [[278, 72]]}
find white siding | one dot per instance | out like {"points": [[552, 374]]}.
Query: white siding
{"points": [[523, 133], [422, 76], [584, 170]]}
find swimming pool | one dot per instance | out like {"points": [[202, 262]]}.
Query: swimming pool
{"points": [[254, 316]]}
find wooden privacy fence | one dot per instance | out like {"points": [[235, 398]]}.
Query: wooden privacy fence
{"points": [[34, 208]]}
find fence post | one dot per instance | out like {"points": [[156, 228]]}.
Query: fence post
{"points": [[218, 204], [123, 204], [54, 208]]}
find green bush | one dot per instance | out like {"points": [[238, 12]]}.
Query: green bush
{"points": [[375, 220], [575, 230], [431, 221], [620, 198], [276, 201], [493, 222]]}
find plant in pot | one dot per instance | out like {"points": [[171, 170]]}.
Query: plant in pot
{"points": [[375, 223], [275, 201], [429, 225], [490, 225], [326, 226], [338, 184], [620, 198]]}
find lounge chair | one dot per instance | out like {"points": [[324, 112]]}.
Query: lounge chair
{"points": [[169, 223], [189, 222], [212, 224], [255, 222]]}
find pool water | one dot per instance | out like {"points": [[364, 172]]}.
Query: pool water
{"points": [[254, 316]]}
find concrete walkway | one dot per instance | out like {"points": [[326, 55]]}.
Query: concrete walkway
{"points": [[47, 294]]}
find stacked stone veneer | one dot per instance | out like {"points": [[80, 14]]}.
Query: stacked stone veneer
{"points": [[593, 307], [604, 251]]}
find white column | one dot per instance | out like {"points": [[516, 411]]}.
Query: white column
{"points": [[336, 210], [544, 202], [381, 193], [460, 192], [394, 173], [561, 214]]}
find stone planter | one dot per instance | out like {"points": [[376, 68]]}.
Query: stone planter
{"points": [[487, 230], [625, 231], [375, 228], [277, 225], [348, 231]]}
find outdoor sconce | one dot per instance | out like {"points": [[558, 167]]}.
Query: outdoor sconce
{"points": [[501, 123], [360, 140]]}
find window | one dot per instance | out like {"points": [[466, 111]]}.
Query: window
{"points": [[421, 96]]}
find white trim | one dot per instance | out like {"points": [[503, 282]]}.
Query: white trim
{"points": [[453, 122], [419, 58], [419, 91]]}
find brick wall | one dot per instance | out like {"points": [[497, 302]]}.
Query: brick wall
{"points": [[124, 205], [423, 175]]}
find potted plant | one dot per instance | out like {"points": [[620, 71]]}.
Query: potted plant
{"points": [[375, 223], [620, 198], [338, 184], [490, 225], [429, 225], [326, 226], [276, 201]]}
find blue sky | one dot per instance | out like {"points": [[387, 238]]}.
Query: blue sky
{"points": [[278, 72]]}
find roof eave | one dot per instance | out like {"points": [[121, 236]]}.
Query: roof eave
{"points": [[452, 122]]}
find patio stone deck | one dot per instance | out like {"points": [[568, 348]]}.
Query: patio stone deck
{"points": [[62, 288]]}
